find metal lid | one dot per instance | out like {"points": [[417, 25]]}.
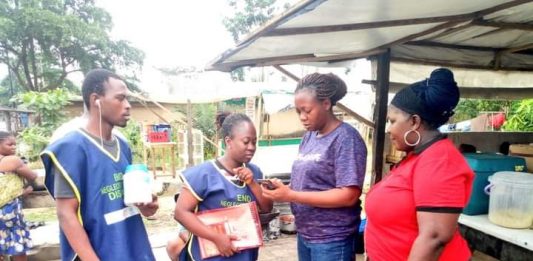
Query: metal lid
{"points": [[512, 177]]}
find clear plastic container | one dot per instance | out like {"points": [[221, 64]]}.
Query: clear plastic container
{"points": [[137, 185], [511, 199]]}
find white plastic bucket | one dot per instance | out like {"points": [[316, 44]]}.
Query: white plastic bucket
{"points": [[511, 199]]}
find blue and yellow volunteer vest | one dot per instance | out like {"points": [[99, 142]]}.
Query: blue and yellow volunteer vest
{"points": [[213, 190], [115, 231]]}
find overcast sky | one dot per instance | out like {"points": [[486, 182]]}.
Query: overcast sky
{"points": [[172, 32]]}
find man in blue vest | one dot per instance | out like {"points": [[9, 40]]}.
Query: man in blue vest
{"points": [[84, 174]]}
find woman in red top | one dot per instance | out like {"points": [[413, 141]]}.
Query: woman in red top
{"points": [[412, 214]]}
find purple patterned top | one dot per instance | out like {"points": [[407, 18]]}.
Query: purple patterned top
{"points": [[335, 160]]}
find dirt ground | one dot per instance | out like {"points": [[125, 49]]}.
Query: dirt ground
{"points": [[163, 227], [282, 248], [160, 229]]}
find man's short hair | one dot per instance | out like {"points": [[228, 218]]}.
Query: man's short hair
{"points": [[94, 83]]}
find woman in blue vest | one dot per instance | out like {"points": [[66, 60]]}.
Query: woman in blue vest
{"points": [[212, 185]]}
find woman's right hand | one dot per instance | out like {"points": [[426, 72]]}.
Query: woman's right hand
{"points": [[281, 193], [225, 245]]}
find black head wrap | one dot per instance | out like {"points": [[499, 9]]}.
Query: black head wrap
{"points": [[433, 99]]}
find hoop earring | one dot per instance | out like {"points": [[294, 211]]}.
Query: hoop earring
{"points": [[407, 142]]}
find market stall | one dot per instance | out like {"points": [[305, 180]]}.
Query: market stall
{"points": [[487, 44]]}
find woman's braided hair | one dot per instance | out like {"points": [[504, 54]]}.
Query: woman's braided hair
{"points": [[227, 121], [325, 86]]}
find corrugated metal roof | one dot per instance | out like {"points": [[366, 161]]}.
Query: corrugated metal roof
{"points": [[486, 34], [490, 35]]}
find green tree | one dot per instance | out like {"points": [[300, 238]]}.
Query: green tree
{"points": [[247, 16], [43, 41], [521, 118], [7, 91], [519, 113], [470, 108], [48, 107], [204, 120], [132, 132], [204, 115], [10, 88]]}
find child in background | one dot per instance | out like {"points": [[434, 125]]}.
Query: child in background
{"points": [[176, 245]]}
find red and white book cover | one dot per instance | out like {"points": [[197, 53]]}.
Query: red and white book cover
{"points": [[241, 221]]}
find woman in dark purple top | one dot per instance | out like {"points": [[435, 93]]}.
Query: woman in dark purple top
{"points": [[327, 176]]}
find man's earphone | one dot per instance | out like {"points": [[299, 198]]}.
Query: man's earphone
{"points": [[97, 103]]}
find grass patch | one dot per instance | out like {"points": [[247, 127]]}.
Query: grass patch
{"points": [[40, 214]]}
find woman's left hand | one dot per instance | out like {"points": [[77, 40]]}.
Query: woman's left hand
{"points": [[244, 174], [149, 209], [280, 193]]}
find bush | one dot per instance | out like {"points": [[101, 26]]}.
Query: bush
{"points": [[521, 117], [132, 131], [49, 114]]}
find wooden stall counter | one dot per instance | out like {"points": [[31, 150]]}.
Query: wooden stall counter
{"points": [[499, 242]]}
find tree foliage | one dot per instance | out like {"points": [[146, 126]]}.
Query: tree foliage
{"points": [[247, 16], [205, 118], [470, 108], [48, 107], [521, 118], [6, 92], [132, 132], [519, 113], [43, 41]]}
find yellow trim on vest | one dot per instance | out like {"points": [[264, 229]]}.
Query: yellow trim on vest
{"points": [[67, 178], [189, 243], [188, 186]]}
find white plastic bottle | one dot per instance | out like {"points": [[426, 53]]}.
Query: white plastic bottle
{"points": [[137, 185]]}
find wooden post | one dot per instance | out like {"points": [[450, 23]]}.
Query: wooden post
{"points": [[145, 99], [287, 73], [154, 162], [218, 151], [172, 161], [163, 159], [190, 150], [145, 154], [8, 122], [355, 115], [381, 70]]}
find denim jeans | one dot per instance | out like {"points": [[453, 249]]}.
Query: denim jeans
{"points": [[343, 250]]}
